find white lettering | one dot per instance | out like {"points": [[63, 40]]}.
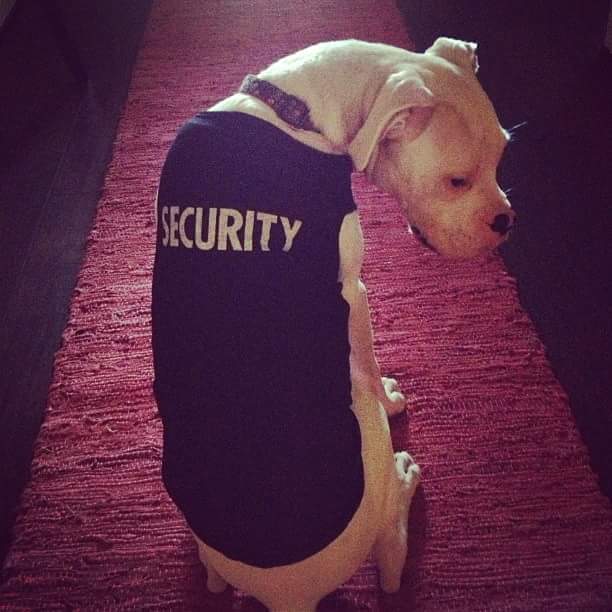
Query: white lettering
{"points": [[164, 218], [225, 229], [229, 230], [266, 225], [188, 212], [248, 230], [174, 211], [290, 232], [212, 227]]}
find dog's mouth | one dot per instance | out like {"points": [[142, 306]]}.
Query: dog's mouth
{"points": [[421, 238]]}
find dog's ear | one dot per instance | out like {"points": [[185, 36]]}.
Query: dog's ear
{"points": [[407, 124], [402, 108], [458, 52]]}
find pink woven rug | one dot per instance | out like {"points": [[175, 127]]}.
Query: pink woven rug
{"points": [[509, 516]]}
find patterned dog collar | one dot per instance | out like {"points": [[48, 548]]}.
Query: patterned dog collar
{"points": [[289, 108]]}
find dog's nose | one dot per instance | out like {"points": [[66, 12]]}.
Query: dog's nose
{"points": [[502, 224]]}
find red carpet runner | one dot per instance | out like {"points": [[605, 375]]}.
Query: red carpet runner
{"points": [[508, 517]]}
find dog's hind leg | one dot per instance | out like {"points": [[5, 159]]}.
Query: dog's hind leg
{"points": [[391, 546], [214, 582]]}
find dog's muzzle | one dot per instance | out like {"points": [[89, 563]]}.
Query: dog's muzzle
{"points": [[419, 236], [502, 224]]}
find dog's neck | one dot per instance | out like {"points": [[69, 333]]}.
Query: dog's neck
{"points": [[290, 109], [245, 103], [335, 84], [339, 82], [336, 118], [334, 126]]}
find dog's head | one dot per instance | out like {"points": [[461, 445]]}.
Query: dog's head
{"points": [[432, 139]]}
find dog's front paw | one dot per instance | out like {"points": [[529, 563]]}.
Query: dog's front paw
{"points": [[408, 473], [393, 401]]}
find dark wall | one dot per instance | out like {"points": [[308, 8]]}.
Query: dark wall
{"points": [[530, 57], [65, 68]]}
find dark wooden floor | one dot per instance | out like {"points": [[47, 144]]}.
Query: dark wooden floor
{"points": [[57, 133]]}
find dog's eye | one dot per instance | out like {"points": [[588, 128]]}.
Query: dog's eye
{"points": [[458, 182]]}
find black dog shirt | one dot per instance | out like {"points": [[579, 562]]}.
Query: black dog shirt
{"points": [[262, 452]]}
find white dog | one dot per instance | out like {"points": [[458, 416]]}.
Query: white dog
{"points": [[421, 128]]}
